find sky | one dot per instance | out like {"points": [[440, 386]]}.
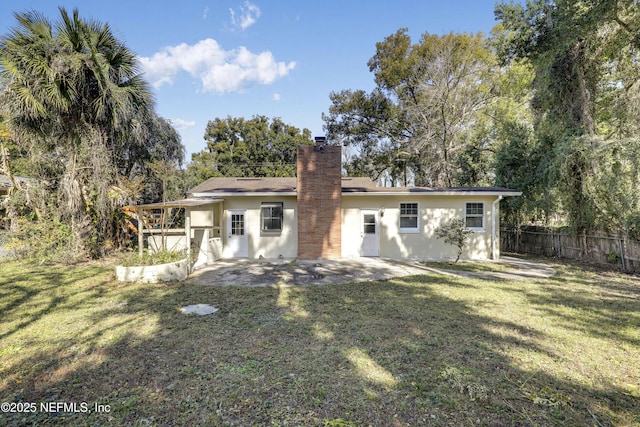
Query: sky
{"points": [[210, 59]]}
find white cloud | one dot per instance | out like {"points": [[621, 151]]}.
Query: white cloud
{"points": [[276, 97], [182, 124], [246, 16], [205, 13], [219, 71]]}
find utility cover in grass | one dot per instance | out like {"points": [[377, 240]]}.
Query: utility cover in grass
{"points": [[200, 309]]}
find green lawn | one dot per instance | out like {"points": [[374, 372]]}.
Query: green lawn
{"points": [[423, 350]]}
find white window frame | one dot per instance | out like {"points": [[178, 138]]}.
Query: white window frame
{"points": [[474, 215], [415, 229], [262, 217]]}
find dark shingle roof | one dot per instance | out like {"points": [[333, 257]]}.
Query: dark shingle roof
{"points": [[243, 185], [350, 185]]}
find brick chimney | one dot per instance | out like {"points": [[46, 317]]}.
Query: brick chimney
{"points": [[319, 189]]}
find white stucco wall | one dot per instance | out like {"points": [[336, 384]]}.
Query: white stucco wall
{"points": [[267, 244], [202, 216], [433, 211]]}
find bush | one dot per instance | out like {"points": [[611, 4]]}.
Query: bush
{"points": [[454, 232], [44, 240], [130, 259], [613, 258]]}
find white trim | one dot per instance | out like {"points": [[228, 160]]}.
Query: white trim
{"points": [[484, 212], [363, 193], [270, 231], [409, 230], [241, 251], [375, 238], [433, 193]]}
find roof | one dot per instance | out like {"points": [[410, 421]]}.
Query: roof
{"points": [[243, 185], [220, 187]]}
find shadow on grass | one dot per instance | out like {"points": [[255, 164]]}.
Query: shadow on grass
{"points": [[601, 304], [410, 351], [26, 304]]}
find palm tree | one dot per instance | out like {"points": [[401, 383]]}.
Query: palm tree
{"points": [[78, 92]]}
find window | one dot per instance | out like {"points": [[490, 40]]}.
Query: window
{"points": [[271, 216], [409, 217], [474, 216], [369, 223], [237, 224]]}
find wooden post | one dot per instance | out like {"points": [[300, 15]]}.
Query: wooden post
{"points": [[140, 233]]}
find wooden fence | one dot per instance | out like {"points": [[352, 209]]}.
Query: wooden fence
{"points": [[600, 249]]}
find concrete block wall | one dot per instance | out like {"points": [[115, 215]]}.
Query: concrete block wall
{"points": [[319, 190]]}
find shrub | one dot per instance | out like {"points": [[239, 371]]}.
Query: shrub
{"points": [[130, 259], [44, 240], [613, 258], [454, 232]]}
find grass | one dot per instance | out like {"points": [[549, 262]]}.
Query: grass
{"points": [[422, 350], [129, 259], [470, 266]]}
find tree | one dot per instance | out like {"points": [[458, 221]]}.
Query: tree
{"points": [[5, 167], [454, 232], [255, 147], [585, 59], [74, 95], [427, 99]]}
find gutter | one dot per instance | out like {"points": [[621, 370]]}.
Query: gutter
{"points": [[431, 193], [360, 193]]}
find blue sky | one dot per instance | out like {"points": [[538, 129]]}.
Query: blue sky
{"points": [[278, 58]]}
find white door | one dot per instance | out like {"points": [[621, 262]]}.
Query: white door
{"points": [[237, 239], [370, 233]]}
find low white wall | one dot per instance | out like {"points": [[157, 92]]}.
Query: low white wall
{"points": [[171, 272], [215, 249]]}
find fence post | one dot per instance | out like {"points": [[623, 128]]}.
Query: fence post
{"points": [[622, 254], [559, 246]]}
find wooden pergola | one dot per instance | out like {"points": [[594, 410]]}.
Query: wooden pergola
{"points": [[185, 204]]}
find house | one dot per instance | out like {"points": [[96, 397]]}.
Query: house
{"points": [[321, 214]]}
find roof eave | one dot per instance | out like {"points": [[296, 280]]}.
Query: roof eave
{"points": [[434, 193], [359, 193]]}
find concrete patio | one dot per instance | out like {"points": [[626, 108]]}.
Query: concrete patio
{"points": [[293, 272]]}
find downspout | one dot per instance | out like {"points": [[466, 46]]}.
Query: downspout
{"points": [[493, 228], [187, 233]]}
